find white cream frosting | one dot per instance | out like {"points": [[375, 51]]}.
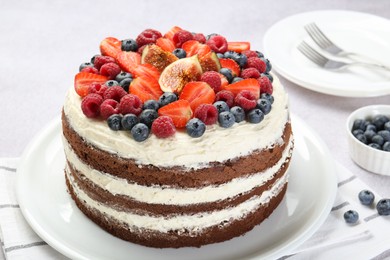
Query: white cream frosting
{"points": [[216, 145], [175, 196], [194, 222]]}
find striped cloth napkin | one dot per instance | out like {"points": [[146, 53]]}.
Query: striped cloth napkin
{"points": [[368, 239]]}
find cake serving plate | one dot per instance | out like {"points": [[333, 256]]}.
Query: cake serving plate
{"points": [[53, 215]]}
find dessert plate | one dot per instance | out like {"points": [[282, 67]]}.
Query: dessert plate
{"points": [[53, 215], [353, 31]]}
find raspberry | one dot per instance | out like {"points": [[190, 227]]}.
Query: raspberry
{"points": [[147, 36], [101, 60], [163, 127], [250, 73], [218, 44], [246, 100], [213, 79], [181, 37], [265, 85], [90, 70], [108, 108], [226, 96], [249, 53], [200, 37], [115, 92], [110, 70], [206, 113], [97, 88], [130, 104], [90, 105], [257, 63]]}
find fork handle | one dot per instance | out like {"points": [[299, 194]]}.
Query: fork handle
{"points": [[360, 58], [372, 65]]}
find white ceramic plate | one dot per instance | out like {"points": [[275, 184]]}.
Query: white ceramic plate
{"points": [[353, 31], [53, 215]]}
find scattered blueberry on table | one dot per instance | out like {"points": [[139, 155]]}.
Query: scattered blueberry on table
{"points": [[351, 216]]}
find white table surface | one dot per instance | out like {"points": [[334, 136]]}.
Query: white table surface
{"points": [[42, 44]]}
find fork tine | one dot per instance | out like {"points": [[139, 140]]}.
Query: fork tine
{"points": [[312, 54], [322, 35], [314, 35]]}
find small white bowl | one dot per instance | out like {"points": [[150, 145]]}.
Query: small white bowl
{"points": [[371, 159]]}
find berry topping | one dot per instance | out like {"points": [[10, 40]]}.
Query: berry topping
{"points": [[195, 128], [197, 93], [140, 132], [97, 88], [227, 73], [123, 75], [238, 46], [129, 121], [383, 207], [108, 108], [239, 113], [99, 61], [225, 95], [130, 104], [145, 88], [90, 70], [180, 112], [147, 70], [366, 197], [250, 53], [213, 79], [128, 60], [114, 122], [232, 65], [218, 43], [236, 79], [264, 105], [111, 83], [226, 119], [151, 104], [200, 37], [165, 44], [148, 116], [115, 92], [255, 116], [246, 84], [111, 70], [163, 127], [129, 45], [351, 216], [257, 63], [82, 81], [193, 47], [171, 32], [246, 100], [147, 36], [110, 46], [221, 106], [166, 98], [85, 65], [207, 113], [90, 105], [179, 53], [268, 63], [181, 37], [250, 73]]}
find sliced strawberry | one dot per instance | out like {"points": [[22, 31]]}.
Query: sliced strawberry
{"points": [[197, 93], [82, 80], [238, 46], [246, 84], [193, 47], [110, 46], [232, 65], [128, 60], [224, 81], [147, 70], [180, 112], [171, 32], [165, 44], [146, 88]]}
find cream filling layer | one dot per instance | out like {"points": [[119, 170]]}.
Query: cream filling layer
{"points": [[193, 223], [173, 196], [216, 145]]}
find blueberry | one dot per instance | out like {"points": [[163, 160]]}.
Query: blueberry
{"points": [[385, 134], [129, 45], [380, 120], [166, 98], [114, 122], [151, 104], [375, 146], [236, 79], [267, 96], [268, 65], [111, 83], [148, 116], [351, 216], [129, 121], [227, 73], [180, 53], [357, 132], [221, 106], [358, 124], [366, 197], [211, 35], [386, 126], [239, 113], [93, 58], [370, 126], [220, 56], [368, 134], [195, 127], [378, 139], [85, 65], [259, 54], [125, 84], [232, 55], [383, 207], [269, 76], [226, 119], [140, 132], [362, 138], [123, 75], [255, 116], [264, 105], [386, 147]]}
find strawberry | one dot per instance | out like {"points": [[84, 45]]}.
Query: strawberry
{"points": [[147, 70], [224, 81], [197, 93], [232, 65], [171, 32], [82, 80], [238, 46], [193, 47], [110, 46], [165, 44], [146, 88], [180, 112], [128, 60], [246, 84]]}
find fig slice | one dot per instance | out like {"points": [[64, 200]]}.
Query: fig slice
{"points": [[210, 62], [156, 56]]}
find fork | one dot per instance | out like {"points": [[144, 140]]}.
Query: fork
{"points": [[332, 64]]}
